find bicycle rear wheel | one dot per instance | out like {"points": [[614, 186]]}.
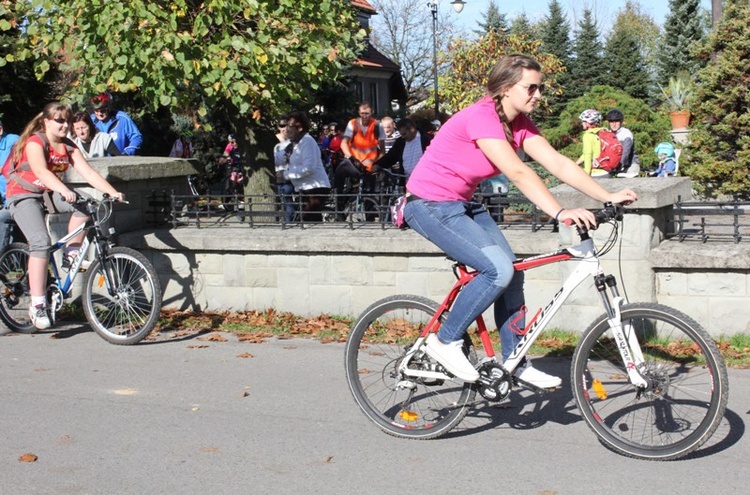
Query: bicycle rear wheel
{"points": [[366, 210], [685, 400], [407, 407], [126, 312], [15, 298]]}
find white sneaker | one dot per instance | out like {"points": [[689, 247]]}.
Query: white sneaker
{"points": [[451, 356], [39, 317], [529, 374]]}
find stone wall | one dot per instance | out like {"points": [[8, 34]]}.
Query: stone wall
{"points": [[341, 271]]}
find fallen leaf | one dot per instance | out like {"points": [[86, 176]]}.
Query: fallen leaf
{"points": [[28, 457], [245, 355], [245, 393], [328, 458], [211, 450], [254, 338], [200, 346], [214, 337]]}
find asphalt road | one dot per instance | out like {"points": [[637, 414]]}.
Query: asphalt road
{"points": [[185, 415]]}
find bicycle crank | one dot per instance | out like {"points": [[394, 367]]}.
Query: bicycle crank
{"points": [[495, 382]]}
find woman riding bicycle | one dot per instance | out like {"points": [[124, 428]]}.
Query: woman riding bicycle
{"points": [[479, 142], [41, 156]]}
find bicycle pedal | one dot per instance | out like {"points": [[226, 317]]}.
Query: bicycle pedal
{"points": [[537, 390]]}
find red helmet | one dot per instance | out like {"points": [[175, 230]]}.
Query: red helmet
{"points": [[102, 100]]}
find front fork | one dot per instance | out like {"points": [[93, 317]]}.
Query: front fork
{"points": [[624, 334], [101, 246]]}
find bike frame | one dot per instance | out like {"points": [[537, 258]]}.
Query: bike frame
{"points": [[65, 284], [588, 266], [92, 228]]}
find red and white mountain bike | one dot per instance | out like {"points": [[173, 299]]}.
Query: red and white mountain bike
{"points": [[648, 380]]}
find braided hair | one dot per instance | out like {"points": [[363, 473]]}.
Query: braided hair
{"points": [[506, 73]]}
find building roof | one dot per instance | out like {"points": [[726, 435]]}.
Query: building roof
{"points": [[373, 59], [365, 6]]}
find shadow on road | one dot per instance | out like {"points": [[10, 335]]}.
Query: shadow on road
{"points": [[526, 410]]}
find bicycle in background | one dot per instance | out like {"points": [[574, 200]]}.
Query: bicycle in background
{"points": [[121, 292]]}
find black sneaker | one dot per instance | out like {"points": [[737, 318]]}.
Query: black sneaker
{"points": [[39, 317]]}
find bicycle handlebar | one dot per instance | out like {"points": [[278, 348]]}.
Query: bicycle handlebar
{"points": [[609, 212]]}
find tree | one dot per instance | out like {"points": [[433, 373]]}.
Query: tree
{"points": [[718, 157], [521, 25], [403, 32], [627, 69], [471, 63], [587, 67], [632, 20], [493, 19], [555, 35], [249, 60], [684, 29]]}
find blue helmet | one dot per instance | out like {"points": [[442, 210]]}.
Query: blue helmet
{"points": [[664, 149]]}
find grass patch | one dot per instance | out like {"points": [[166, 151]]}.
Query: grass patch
{"points": [[258, 325]]}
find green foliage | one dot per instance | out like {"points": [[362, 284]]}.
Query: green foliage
{"points": [[522, 26], [22, 94], [471, 62], [684, 29], [676, 96], [493, 19], [588, 68], [627, 68], [718, 158], [632, 20], [648, 127], [252, 58], [555, 36]]}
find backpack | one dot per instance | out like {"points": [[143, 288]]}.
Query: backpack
{"points": [[10, 169], [611, 151]]}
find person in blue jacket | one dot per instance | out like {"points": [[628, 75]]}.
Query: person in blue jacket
{"points": [[116, 123], [6, 145]]}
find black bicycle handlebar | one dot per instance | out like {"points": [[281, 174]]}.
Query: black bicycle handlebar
{"points": [[609, 212]]}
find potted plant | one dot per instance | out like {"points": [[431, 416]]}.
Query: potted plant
{"points": [[676, 99]]}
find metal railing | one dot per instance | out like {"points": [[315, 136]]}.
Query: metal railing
{"points": [[719, 220], [365, 211]]}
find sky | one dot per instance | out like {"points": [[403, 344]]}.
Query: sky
{"points": [[536, 9]]}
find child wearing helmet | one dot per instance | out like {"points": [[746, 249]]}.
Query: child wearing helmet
{"points": [[591, 121], [667, 162]]}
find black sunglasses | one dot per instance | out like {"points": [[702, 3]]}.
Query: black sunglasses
{"points": [[532, 88], [282, 125], [61, 120]]}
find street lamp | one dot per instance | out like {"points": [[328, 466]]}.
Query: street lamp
{"points": [[458, 6]]}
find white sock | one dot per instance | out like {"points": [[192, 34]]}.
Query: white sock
{"points": [[38, 301]]}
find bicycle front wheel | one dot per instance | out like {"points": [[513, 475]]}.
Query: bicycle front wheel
{"points": [[687, 392], [126, 311], [15, 298], [407, 407]]}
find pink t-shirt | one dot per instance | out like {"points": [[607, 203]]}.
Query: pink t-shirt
{"points": [[453, 165]]}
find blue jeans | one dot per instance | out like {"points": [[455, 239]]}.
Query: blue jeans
{"points": [[467, 233], [285, 191]]}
